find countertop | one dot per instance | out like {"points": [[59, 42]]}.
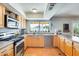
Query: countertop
{"points": [[70, 37], [3, 44]]}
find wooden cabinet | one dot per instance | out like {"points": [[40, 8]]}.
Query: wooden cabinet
{"points": [[39, 41], [65, 45], [25, 42], [3, 52], [56, 41], [34, 41], [75, 49], [10, 50], [7, 51], [2, 13], [62, 44], [22, 22], [68, 47]]}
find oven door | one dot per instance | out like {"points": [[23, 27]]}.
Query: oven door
{"points": [[19, 48]]}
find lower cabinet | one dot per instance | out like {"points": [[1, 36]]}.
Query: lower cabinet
{"points": [[65, 45], [62, 44], [75, 49], [68, 47], [7, 51], [56, 41], [3, 52], [25, 42], [32, 41]]}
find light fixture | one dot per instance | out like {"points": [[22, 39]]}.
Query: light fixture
{"points": [[34, 10]]}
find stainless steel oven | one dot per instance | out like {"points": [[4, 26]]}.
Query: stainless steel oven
{"points": [[18, 42], [19, 48]]}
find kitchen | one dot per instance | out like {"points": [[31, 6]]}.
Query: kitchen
{"points": [[48, 30]]}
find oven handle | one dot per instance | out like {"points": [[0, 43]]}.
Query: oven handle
{"points": [[19, 43]]}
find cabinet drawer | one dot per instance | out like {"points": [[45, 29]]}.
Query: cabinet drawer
{"points": [[76, 46]]}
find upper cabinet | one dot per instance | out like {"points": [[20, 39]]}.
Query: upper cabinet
{"points": [[2, 13], [22, 22], [5, 11]]}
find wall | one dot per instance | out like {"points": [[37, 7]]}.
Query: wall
{"points": [[59, 21]]}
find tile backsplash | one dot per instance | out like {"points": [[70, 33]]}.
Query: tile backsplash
{"points": [[6, 30]]}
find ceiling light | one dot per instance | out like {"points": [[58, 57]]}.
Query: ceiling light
{"points": [[34, 10]]}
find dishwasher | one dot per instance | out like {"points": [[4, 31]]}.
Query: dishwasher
{"points": [[48, 41]]}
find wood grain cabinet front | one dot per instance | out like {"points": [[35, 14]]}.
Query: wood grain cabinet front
{"points": [[75, 49], [22, 22], [68, 47], [62, 44], [56, 41], [34, 41], [3, 52], [7, 51], [2, 13], [10, 50]]}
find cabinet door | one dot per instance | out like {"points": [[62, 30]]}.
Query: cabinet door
{"points": [[19, 18], [25, 42], [40, 41], [58, 42], [29, 41], [37, 42], [55, 41], [32, 41], [24, 23], [9, 50], [62, 44], [1, 17], [68, 47], [3, 52], [75, 49], [2, 13]]}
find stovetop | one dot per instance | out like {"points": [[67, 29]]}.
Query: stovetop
{"points": [[12, 38]]}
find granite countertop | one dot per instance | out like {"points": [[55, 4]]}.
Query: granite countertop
{"points": [[75, 39], [70, 37], [3, 44]]}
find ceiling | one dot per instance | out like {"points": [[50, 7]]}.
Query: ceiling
{"points": [[59, 10], [27, 7], [68, 10]]}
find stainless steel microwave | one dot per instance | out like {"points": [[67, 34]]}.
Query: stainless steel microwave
{"points": [[11, 22]]}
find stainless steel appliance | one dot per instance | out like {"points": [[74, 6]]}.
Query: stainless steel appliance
{"points": [[11, 22], [19, 47], [18, 43]]}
